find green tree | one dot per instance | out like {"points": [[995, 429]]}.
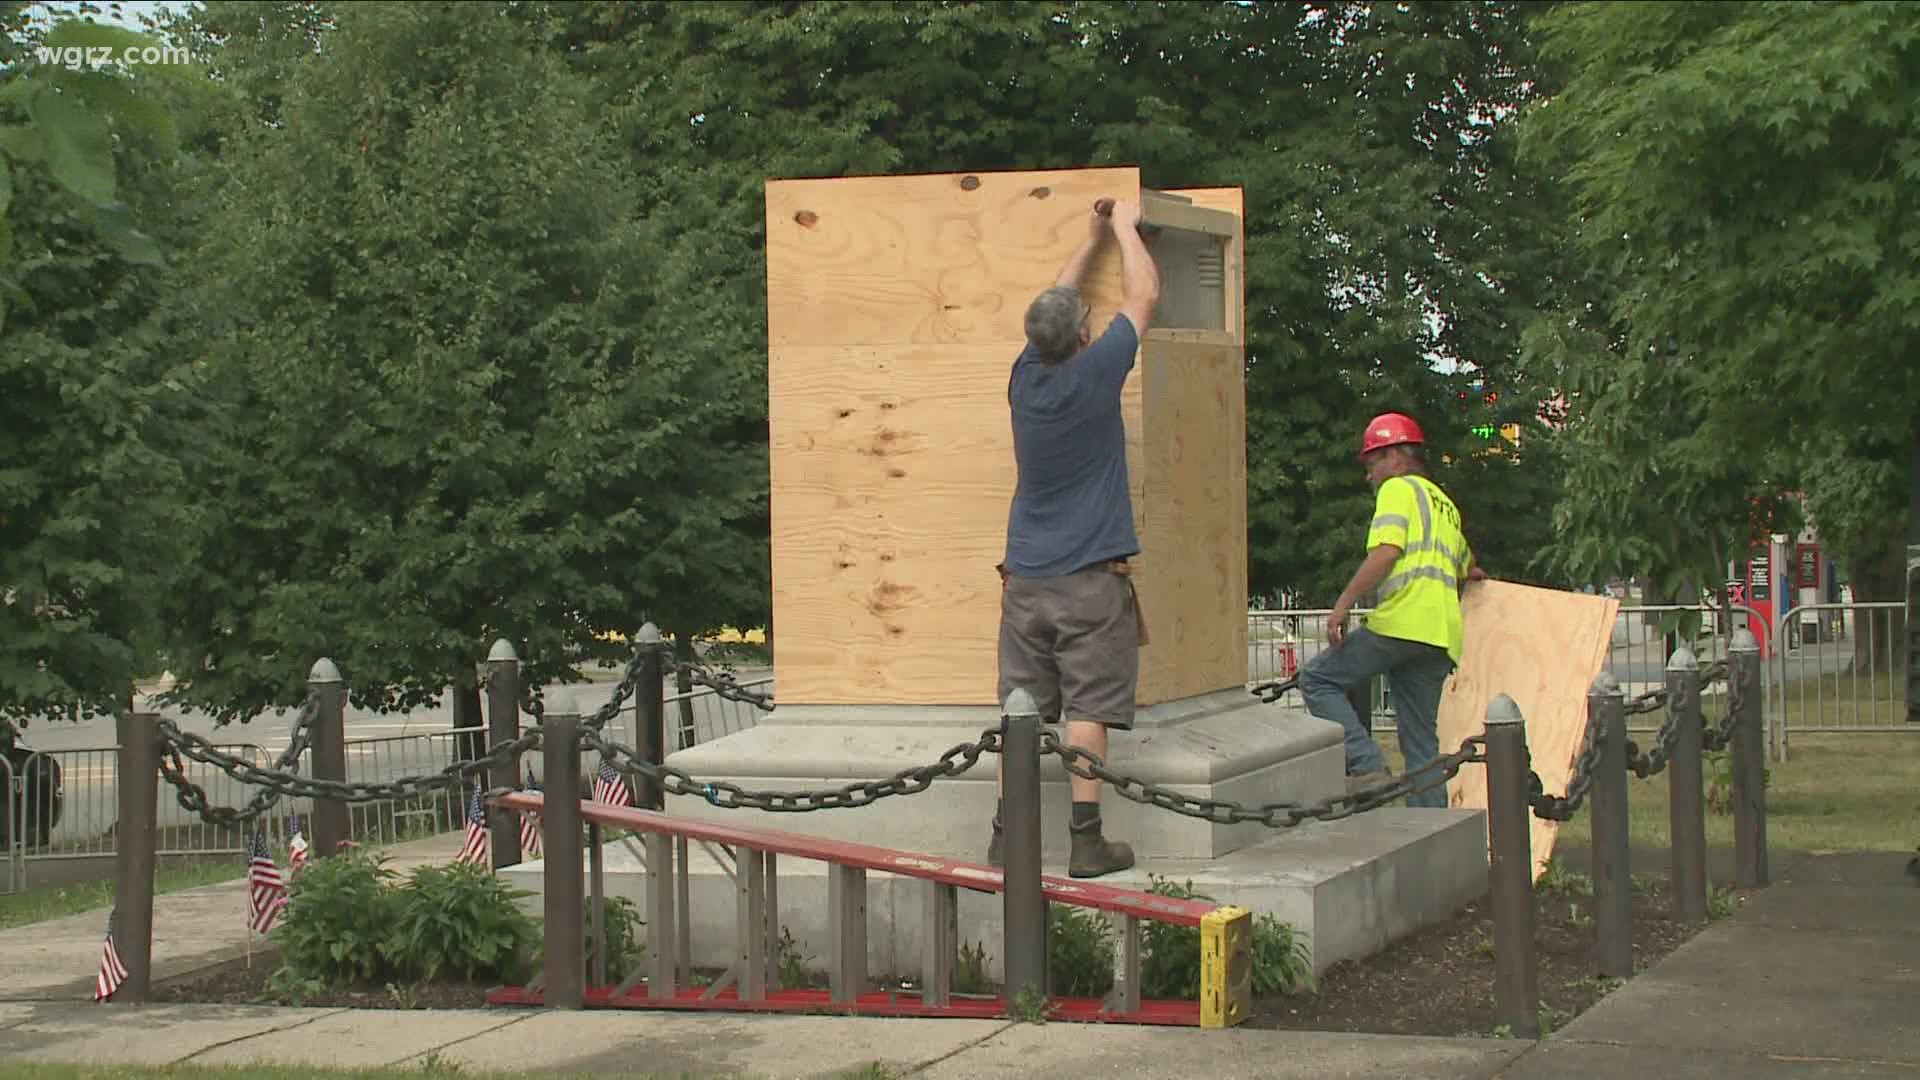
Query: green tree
{"points": [[99, 408], [1743, 175], [1374, 210], [454, 346]]}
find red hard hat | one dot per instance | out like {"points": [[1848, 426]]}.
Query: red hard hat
{"points": [[1390, 429]]}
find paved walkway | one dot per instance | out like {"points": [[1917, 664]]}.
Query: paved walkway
{"points": [[1815, 977]]}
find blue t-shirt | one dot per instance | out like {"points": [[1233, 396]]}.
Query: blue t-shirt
{"points": [[1071, 507]]}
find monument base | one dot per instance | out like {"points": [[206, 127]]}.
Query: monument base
{"points": [[1224, 745], [1347, 888]]}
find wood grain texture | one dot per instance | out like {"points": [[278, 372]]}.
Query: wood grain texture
{"points": [[1543, 648], [892, 469], [1193, 582], [936, 259]]}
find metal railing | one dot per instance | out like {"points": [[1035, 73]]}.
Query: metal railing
{"points": [[1838, 670], [700, 715], [67, 805], [12, 869]]}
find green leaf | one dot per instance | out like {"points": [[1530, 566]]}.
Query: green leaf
{"points": [[6, 194], [22, 143], [115, 225], [79, 148]]}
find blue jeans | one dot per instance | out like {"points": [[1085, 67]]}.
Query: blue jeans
{"points": [[1416, 673]]}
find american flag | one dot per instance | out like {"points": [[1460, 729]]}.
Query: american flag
{"points": [[296, 851], [475, 849], [611, 787], [530, 822], [266, 886], [113, 970]]}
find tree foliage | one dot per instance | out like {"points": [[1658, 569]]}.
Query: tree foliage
{"points": [[1743, 179]]}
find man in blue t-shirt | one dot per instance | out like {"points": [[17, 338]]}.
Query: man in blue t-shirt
{"points": [[1070, 623]]}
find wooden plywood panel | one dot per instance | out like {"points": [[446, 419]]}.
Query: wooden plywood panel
{"points": [[892, 470], [1194, 570], [948, 258], [1543, 648]]}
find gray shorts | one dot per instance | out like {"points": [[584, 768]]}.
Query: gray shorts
{"points": [[1073, 642]]}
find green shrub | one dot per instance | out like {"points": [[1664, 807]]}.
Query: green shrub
{"points": [[1080, 951], [459, 920], [340, 914], [625, 950], [1170, 955]]}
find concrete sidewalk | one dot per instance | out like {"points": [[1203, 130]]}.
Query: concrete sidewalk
{"points": [[193, 929], [1815, 977]]}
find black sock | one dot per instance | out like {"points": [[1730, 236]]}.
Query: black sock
{"points": [[1086, 815]]}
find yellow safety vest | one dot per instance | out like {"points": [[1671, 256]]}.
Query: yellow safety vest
{"points": [[1420, 598]]}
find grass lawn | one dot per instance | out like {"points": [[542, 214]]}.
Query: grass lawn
{"points": [[1833, 793], [53, 902]]}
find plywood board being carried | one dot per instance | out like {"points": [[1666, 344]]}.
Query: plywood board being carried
{"points": [[1542, 648], [1193, 569]]}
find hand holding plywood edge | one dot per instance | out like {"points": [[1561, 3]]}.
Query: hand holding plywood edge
{"points": [[1542, 648]]}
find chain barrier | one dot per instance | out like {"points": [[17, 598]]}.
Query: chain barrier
{"points": [[1271, 692], [193, 797], [1278, 815], [281, 781], [1641, 763], [673, 781], [722, 684]]}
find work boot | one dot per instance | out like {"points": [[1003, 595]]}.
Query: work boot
{"points": [[1093, 854], [1360, 782]]}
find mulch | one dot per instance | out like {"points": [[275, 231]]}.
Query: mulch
{"points": [[1437, 981]]}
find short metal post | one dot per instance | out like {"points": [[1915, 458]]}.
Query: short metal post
{"points": [[1516, 983], [503, 725], [330, 829], [597, 890], [1687, 817], [1748, 754], [1612, 865], [560, 844], [139, 780], [650, 713], [1025, 905]]}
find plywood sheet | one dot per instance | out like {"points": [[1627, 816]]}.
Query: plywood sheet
{"points": [[892, 469], [936, 259], [1193, 582], [1543, 648]]}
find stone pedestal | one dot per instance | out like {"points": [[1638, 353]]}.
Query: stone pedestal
{"points": [[1224, 745]]}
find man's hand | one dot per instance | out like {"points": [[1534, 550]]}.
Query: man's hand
{"points": [[1126, 215], [1474, 573], [1337, 625]]}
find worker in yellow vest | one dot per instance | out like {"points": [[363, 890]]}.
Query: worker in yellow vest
{"points": [[1419, 560]]}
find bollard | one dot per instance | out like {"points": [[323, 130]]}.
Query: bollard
{"points": [[503, 725], [1025, 946], [1748, 754], [1612, 871], [139, 776], [650, 713], [330, 830], [1687, 817], [1516, 983], [565, 975]]}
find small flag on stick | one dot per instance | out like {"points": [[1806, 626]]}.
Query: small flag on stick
{"points": [[113, 970], [266, 886], [478, 841], [611, 787], [530, 823]]}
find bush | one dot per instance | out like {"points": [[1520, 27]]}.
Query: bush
{"points": [[340, 914], [1080, 951], [1170, 955], [460, 920]]}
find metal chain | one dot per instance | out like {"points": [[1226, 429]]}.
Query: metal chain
{"points": [[1279, 815], [194, 797], [1654, 761], [728, 796], [279, 782], [1563, 807], [722, 684], [1272, 691]]}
